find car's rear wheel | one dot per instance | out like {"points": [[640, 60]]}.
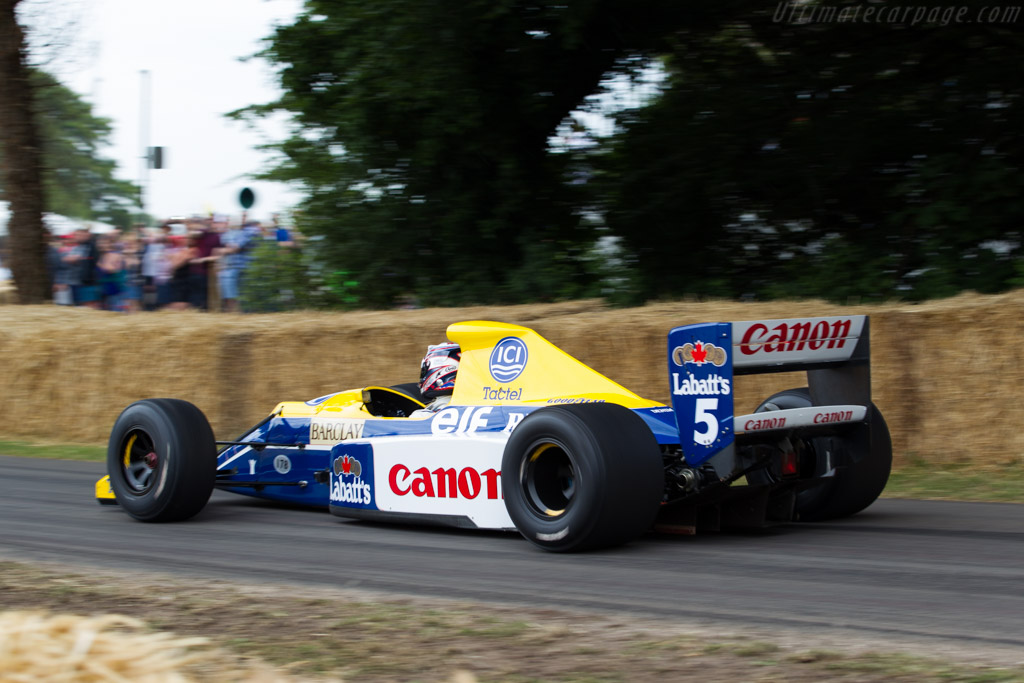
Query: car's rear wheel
{"points": [[162, 460], [854, 486], [579, 477]]}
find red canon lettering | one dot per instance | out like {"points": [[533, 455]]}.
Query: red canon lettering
{"points": [[469, 483], [799, 332], [443, 482], [764, 423], [819, 335], [393, 479], [446, 479], [840, 331], [779, 336], [795, 336], [492, 476], [840, 416], [423, 485], [749, 336]]}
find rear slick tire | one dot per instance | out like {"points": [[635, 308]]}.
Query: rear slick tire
{"points": [[853, 487], [162, 460], [582, 476]]}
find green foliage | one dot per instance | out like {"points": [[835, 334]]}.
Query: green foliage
{"points": [[423, 139], [843, 160], [287, 278], [274, 280], [78, 181], [837, 160]]}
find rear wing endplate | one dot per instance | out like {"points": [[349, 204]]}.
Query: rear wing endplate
{"points": [[704, 359]]}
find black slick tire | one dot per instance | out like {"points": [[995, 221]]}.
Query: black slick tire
{"points": [[162, 460], [582, 476], [853, 487]]}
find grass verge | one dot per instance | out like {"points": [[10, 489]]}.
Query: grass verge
{"points": [[322, 632], [56, 451], [996, 483]]}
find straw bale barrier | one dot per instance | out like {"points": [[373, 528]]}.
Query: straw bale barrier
{"points": [[946, 374], [67, 648], [36, 646]]}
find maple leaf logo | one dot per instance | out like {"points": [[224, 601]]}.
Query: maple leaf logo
{"points": [[699, 353], [347, 465]]}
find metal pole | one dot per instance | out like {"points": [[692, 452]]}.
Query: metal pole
{"points": [[144, 98]]}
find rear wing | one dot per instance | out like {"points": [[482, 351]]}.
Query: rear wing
{"points": [[704, 359]]}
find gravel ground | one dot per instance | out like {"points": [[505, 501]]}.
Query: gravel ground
{"points": [[357, 636]]}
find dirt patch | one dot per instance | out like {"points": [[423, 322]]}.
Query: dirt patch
{"points": [[364, 637]]}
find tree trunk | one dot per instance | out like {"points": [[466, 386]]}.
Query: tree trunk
{"points": [[22, 163]]}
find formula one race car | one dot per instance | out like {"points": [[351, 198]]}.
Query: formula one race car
{"points": [[535, 441]]}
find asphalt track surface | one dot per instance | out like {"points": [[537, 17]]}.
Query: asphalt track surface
{"points": [[941, 572]]}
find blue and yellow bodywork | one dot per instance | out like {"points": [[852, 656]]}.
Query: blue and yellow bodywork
{"points": [[510, 369], [376, 452]]}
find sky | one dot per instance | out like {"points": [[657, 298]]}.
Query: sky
{"points": [[191, 50]]}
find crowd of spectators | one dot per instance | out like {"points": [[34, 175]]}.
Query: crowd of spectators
{"points": [[195, 263]]}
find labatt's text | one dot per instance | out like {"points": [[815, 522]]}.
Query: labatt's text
{"points": [[691, 386], [356, 492]]}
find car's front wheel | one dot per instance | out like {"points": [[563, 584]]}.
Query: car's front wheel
{"points": [[162, 460]]}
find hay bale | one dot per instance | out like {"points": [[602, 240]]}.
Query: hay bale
{"points": [[64, 648], [36, 646], [67, 373]]}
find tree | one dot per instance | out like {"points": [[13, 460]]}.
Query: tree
{"points": [[845, 159], [22, 162], [423, 134], [78, 181], [836, 159]]}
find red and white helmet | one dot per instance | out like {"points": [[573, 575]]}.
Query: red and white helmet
{"points": [[437, 371]]}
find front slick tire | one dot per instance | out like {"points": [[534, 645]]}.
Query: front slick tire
{"points": [[582, 476], [162, 460]]}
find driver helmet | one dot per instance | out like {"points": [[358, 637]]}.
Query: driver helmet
{"points": [[437, 371]]}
